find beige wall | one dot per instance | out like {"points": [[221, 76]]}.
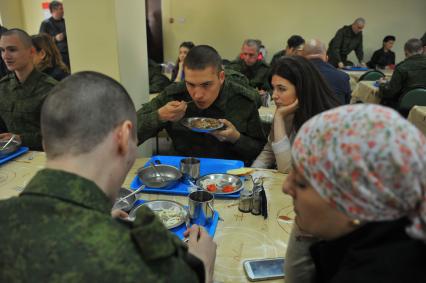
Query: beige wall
{"points": [[225, 24], [11, 13], [32, 13]]}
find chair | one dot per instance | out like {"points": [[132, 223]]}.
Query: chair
{"points": [[373, 75], [414, 96]]}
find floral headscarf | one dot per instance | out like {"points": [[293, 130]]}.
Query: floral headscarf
{"points": [[368, 162]]}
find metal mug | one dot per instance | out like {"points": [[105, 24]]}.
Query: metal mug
{"points": [[200, 206], [190, 168]]}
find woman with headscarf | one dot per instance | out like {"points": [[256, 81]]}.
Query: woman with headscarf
{"points": [[358, 184], [299, 92]]}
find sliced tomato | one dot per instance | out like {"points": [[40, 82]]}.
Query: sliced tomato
{"points": [[211, 188], [228, 189]]}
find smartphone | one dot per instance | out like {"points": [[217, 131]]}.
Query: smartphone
{"points": [[265, 268]]}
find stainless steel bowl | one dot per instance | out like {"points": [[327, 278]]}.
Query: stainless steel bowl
{"points": [[158, 206], [188, 122], [170, 175], [126, 204], [220, 180], [11, 148]]}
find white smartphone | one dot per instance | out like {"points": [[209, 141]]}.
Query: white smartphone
{"points": [[265, 268]]}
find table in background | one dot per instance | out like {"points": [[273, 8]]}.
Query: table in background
{"points": [[417, 116], [239, 237], [366, 92], [355, 75]]}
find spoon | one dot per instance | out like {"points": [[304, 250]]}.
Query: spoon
{"points": [[8, 142], [129, 195], [157, 172]]}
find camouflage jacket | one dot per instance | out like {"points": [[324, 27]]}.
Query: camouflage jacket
{"points": [[60, 229], [408, 74], [157, 81], [343, 43], [235, 103], [258, 74], [20, 105]]}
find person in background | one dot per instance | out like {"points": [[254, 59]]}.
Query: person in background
{"points": [[359, 186], [47, 58], [206, 92], [252, 66], [157, 80], [22, 92], [66, 207], [294, 47], [3, 69], [299, 92], [177, 73], [383, 57], [316, 52], [423, 39], [409, 73], [55, 27], [347, 39]]}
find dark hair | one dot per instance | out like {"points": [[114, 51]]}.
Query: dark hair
{"points": [[187, 44], [295, 41], [201, 57], [389, 38], [414, 46], [312, 91], [81, 110], [23, 36], [44, 41], [54, 5], [423, 39]]}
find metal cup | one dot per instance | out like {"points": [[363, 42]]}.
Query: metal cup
{"points": [[190, 168], [200, 206]]}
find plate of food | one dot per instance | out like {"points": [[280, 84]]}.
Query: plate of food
{"points": [[202, 124], [220, 184], [171, 213]]}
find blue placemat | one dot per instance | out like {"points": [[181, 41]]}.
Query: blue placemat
{"points": [[356, 68], [20, 151], [178, 231], [207, 166], [376, 84]]}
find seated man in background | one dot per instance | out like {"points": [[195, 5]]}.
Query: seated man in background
{"points": [[249, 64], [205, 93], [62, 229], [408, 74], [315, 51], [347, 39], [383, 57], [23, 91], [294, 47], [157, 81]]}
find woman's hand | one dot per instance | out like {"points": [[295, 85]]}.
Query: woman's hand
{"points": [[284, 111]]}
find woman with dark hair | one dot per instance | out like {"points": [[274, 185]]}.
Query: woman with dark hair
{"points": [[177, 73], [47, 58], [299, 92], [384, 56]]}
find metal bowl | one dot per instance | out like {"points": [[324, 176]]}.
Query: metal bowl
{"points": [[11, 148], [221, 180], [158, 206], [126, 204], [150, 178], [188, 122]]}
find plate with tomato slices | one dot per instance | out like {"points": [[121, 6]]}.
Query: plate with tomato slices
{"points": [[220, 184]]}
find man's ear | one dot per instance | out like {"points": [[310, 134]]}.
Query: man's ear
{"points": [[222, 76], [123, 135]]}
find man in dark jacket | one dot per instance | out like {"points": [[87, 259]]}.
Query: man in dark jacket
{"points": [[315, 51], [384, 56], [3, 68], [347, 39], [294, 47], [55, 26]]}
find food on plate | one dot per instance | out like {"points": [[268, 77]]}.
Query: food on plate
{"points": [[211, 188], [170, 216], [217, 185], [240, 171], [228, 188], [205, 123]]}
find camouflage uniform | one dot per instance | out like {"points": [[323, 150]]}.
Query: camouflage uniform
{"points": [[20, 105], [408, 74], [235, 103], [258, 74], [157, 81], [342, 44], [239, 78], [60, 229]]}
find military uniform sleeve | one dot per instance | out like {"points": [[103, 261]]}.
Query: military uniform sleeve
{"points": [[391, 89], [359, 51], [148, 121], [336, 43]]}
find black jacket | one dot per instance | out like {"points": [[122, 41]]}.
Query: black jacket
{"points": [[381, 59]]}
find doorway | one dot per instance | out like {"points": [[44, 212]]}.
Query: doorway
{"points": [[154, 30]]}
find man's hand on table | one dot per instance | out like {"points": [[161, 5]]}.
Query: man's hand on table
{"points": [[173, 111], [201, 245], [230, 134], [340, 65]]}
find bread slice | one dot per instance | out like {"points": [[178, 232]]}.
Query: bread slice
{"points": [[240, 171]]}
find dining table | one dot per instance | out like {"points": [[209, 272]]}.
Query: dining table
{"points": [[366, 92], [239, 236], [356, 75]]}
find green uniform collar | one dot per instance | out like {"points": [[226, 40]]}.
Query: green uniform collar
{"points": [[70, 188], [29, 83], [221, 100]]}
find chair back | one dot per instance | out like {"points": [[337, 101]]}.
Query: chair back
{"points": [[373, 75], [415, 96]]}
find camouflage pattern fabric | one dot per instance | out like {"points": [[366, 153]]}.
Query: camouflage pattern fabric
{"points": [[60, 230], [20, 105], [157, 81], [235, 103], [258, 74]]}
